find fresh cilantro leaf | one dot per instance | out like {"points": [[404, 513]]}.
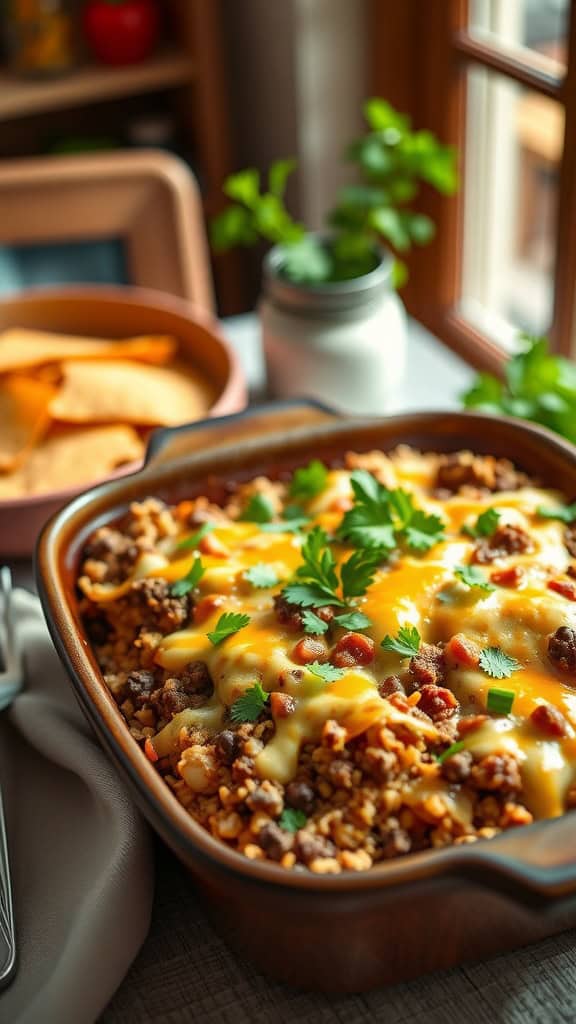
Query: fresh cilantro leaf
{"points": [[566, 513], [261, 576], [190, 580], [472, 577], [500, 701], [228, 624], [358, 572], [485, 524], [293, 525], [291, 819], [455, 748], [312, 623], [310, 595], [325, 671], [353, 620], [424, 531], [294, 512], [195, 538], [258, 510], [497, 664], [407, 643], [380, 517], [250, 705], [308, 481]]}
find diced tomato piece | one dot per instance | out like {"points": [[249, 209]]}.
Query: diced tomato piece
{"points": [[211, 545], [149, 750], [549, 720], [353, 649], [564, 587], [281, 704], [206, 607], [307, 650], [507, 577], [462, 651]]}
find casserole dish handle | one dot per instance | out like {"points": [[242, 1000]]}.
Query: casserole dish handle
{"points": [[172, 443]]}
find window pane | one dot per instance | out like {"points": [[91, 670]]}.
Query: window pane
{"points": [[537, 25], [513, 149]]}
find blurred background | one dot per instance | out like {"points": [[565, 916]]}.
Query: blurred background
{"points": [[226, 84]]}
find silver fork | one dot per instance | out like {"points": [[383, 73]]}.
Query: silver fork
{"points": [[11, 676]]}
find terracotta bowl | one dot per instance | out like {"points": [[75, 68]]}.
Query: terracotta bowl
{"points": [[350, 931], [111, 312]]}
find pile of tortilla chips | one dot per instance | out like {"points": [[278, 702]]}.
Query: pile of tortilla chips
{"points": [[73, 409]]}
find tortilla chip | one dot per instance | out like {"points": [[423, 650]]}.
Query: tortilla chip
{"points": [[24, 417], [149, 396], [69, 458], [21, 348]]}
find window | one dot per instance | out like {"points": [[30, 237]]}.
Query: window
{"points": [[498, 79]]}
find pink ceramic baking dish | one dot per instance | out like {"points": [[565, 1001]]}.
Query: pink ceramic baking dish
{"points": [[110, 312]]}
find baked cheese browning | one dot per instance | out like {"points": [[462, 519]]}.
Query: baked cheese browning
{"points": [[350, 664]]}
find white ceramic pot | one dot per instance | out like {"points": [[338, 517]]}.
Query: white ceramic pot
{"points": [[342, 342]]}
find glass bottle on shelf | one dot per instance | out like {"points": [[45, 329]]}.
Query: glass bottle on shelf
{"points": [[40, 37]]}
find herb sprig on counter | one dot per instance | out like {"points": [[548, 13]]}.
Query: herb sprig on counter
{"points": [[250, 705], [228, 624], [485, 525], [497, 664], [383, 518], [190, 580], [406, 643]]}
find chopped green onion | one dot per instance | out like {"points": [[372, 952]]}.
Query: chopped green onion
{"points": [[500, 701]]}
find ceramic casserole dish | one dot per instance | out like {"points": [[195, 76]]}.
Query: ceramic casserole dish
{"points": [[350, 931]]}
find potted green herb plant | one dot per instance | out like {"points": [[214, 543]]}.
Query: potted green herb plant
{"points": [[333, 324]]}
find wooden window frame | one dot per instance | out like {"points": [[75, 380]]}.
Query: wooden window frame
{"points": [[420, 57]]}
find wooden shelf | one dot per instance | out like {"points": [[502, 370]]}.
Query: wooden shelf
{"points": [[92, 84]]}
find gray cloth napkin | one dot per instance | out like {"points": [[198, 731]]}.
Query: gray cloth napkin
{"points": [[81, 857]]}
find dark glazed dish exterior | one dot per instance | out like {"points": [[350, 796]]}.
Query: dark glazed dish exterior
{"points": [[351, 931]]}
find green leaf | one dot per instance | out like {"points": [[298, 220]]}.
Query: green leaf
{"points": [[485, 524], [399, 274], [244, 187], [353, 621], [278, 175], [228, 624], [291, 819], [233, 226], [485, 392], [261, 576], [188, 582], [292, 525], [406, 643], [250, 705], [455, 748], [358, 572], [313, 624], [497, 664], [499, 701], [306, 261], [274, 222], [325, 671], [319, 564], [191, 542], [309, 481], [258, 510], [310, 595], [381, 116], [473, 578], [390, 224], [424, 531], [565, 513], [420, 228]]}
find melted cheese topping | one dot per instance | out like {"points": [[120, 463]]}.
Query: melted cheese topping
{"points": [[404, 592]]}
